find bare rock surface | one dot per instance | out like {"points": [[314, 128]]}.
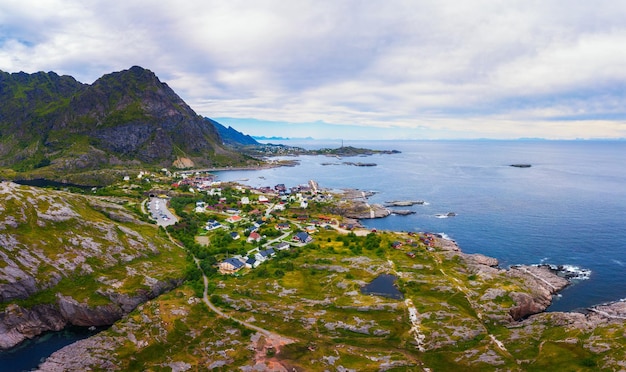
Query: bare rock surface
{"points": [[18, 324], [83, 355], [76, 234]]}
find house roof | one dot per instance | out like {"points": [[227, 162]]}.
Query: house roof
{"points": [[235, 262], [254, 236], [267, 252], [302, 236]]}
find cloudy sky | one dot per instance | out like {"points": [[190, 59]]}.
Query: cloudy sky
{"points": [[350, 69]]}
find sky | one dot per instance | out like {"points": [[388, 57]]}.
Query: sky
{"points": [[377, 69]]}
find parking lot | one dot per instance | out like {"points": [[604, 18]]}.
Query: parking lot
{"points": [[160, 213]]}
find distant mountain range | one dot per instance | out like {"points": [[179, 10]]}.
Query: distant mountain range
{"points": [[274, 138], [52, 126], [231, 136]]}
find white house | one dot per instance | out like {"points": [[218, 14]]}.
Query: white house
{"points": [[230, 265], [282, 246]]}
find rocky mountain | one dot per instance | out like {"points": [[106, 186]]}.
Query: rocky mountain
{"points": [[72, 259], [232, 137], [51, 124]]}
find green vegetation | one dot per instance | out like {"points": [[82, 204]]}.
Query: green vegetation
{"points": [[309, 293], [61, 129], [80, 251]]}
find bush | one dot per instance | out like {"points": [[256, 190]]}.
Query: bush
{"points": [[279, 273], [216, 300]]}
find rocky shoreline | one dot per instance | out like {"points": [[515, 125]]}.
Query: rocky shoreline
{"points": [[546, 281], [41, 277], [514, 298], [18, 324]]}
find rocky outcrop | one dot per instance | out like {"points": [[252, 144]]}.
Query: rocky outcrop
{"points": [[77, 237], [83, 355], [18, 323], [80, 314], [353, 205], [480, 259], [402, 212], [542, 282], [129, 303], [20, 288], [29, 265]]}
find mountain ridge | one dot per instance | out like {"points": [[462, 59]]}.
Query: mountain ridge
{"points": [[231, 136], [52, 124]]}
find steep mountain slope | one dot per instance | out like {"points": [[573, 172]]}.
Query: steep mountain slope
{"points": [[71, 259], [51, 124], [231, 136]]}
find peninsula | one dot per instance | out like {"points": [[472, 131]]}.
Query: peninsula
{"points": [[272, 281]]}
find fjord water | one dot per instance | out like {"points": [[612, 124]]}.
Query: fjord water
{"points": [[28, 355], [569, 207]]}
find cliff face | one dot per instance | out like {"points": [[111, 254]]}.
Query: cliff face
{"points": [[70, 259], [127, 117]]}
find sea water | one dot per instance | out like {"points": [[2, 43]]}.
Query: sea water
{"points": [[29, 354], [568, 208]]}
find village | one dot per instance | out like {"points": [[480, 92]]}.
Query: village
{"points": [[257, 223], [264, 220]]}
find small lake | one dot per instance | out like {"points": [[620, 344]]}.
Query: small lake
{"points": [[383, 286], [29, 354]]}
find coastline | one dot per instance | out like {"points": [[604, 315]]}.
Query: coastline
{"points": [[542, 282], [554, 278]]}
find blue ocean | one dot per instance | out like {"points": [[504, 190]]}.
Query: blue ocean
{"points": [[568, 208]]}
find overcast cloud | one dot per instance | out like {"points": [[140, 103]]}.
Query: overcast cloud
{"points": [[368, 69]]}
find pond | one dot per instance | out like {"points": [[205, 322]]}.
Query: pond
{"points": [[383, 286]]}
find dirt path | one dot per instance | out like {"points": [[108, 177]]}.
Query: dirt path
{"points": [[268, 341]]}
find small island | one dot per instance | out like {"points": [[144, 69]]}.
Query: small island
{"points": [[520, 165], [404, 203]]}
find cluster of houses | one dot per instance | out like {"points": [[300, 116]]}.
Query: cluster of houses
{"points": [[254, 258], [271, 197], [200, 181]]}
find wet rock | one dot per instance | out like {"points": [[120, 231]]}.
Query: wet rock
{"points": [[542, 283], [84, 355], [18, 324]]}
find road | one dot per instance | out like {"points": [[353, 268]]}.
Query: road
{"points": [[272, 339], [160, 213]]}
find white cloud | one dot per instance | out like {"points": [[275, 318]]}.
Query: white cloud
{"points": [[480, 68]]}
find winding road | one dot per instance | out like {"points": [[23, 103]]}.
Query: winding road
{"points": [[272, 339]]}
